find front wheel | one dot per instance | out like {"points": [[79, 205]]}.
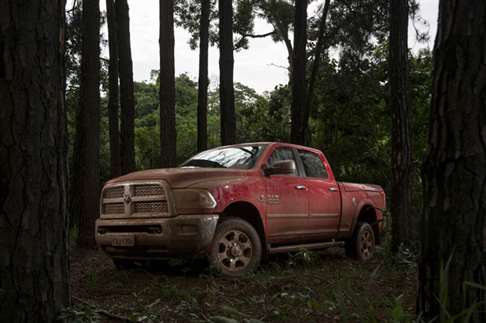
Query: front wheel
{"points": [[236, 249], [362, 245]]}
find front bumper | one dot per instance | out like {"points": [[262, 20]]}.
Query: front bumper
{"points": [[152, 238]]}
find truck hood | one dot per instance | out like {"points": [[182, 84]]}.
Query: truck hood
{"points": [[183, 177]]}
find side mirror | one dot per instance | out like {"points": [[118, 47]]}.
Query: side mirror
{"points": [[282, 167]]}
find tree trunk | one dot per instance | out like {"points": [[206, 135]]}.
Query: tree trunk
{"points": [[401, 155], [34, 262], [127, 101], [86, 179], [168, 135], [202, 91], [315, 65], [297, 78], [454, 172], [114, 91], [226, 65]]}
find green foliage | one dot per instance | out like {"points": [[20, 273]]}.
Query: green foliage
{"points": [[79, 314], [188, 15]]}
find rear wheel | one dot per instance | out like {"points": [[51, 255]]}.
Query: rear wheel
{"points": [[236, 249], [362, 245]]}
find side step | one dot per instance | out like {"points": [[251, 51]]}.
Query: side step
{"points": [[308, 246]]}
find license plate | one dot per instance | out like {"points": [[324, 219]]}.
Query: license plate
{"points": [[128, 241]]}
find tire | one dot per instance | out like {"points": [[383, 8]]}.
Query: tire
{"points": [[122, 264], [362, 246], [236, 249]]}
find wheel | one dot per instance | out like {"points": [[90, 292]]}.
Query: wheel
{"points": [[236, 249], [362, 245], [121, 264]]}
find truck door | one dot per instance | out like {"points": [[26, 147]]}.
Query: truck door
{"points": [[324, 195], [286, 199]]}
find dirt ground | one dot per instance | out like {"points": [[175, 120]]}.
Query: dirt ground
{"points": [[301, 287]]}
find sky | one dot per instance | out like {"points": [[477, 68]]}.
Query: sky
{"points": [[259, 67]]}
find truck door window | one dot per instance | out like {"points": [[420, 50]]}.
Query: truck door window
{"points": [[281, 154], [313, 165]]}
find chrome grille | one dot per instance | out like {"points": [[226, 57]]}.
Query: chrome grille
{"points": [[150, 207], [114, 208], [138, 200], [113, 192], [144, 190]]}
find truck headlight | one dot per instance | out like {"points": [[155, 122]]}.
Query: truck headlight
{"points": [[193, 199]]}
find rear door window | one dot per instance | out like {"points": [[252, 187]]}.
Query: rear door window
{"points": [[313, 165]]}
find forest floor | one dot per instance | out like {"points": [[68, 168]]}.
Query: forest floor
{"points": [[301, 287]]}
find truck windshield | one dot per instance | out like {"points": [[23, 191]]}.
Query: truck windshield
{"points": [[240, 157]]}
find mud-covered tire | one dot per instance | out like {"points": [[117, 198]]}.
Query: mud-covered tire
{"points": [[362, 245], [236, 249], [122, 264]]}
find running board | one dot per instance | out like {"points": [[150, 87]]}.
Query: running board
{"points": [[309, 246]]}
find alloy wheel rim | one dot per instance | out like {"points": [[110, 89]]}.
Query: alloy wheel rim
{"points": [[235, 250], [367, 244]]}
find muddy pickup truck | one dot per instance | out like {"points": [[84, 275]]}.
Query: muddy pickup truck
{"points": [[236, 204]]}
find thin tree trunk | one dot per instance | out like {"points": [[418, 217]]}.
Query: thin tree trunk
{"points": [[298, 82], [34, 262], [454, 173], [315, 65], [127, 101], [202, 97], [114, 90], [168, 135], [401, 155], [226, 66], [86, 177]]}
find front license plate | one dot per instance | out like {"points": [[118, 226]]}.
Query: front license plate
{"points": [[128, 241]]}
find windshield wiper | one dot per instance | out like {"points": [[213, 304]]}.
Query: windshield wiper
{"points": [[203, 163]]}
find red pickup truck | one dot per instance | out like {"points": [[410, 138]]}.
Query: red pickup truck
{"points": [[236, 204]]}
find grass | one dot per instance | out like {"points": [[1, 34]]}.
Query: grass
{"points": [[301, 287]]}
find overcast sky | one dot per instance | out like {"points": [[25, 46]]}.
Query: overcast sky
{"points": [[257, 67]]}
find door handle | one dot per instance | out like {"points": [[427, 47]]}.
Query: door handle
{"points": [[333, 189], [300, 187]]}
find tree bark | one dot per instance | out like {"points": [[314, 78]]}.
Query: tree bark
{"points": [[86, 178], [114, 90], [453, 223], [34, 262], [203, 83], [127, 101], [401, 154], [168, 135], [298, 82], [226, 66], [315, 65]]}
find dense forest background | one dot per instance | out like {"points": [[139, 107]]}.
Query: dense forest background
{"points": [[350, 118], [411, 121]]}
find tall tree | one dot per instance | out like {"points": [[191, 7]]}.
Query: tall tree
{"points": [[168, 134], [453, 228], [401, 155], [316, 63], [114, 90], [298, 81], [85, 179], [203, 82], [34, 265], [127, 101], [226, 66]]}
